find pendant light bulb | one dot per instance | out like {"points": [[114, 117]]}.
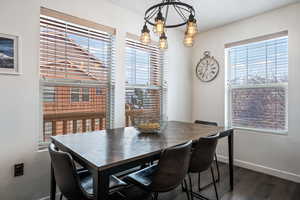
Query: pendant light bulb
{"points": [[188, 40], [163, 42], [159, 23], [145, 35], [154, 27], [192, 28]]}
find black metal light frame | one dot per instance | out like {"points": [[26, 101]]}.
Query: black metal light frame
{"points": [[184, 11]]}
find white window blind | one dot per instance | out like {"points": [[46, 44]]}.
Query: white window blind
{"points": [[145, 88], [75, 63], [257, 84]]}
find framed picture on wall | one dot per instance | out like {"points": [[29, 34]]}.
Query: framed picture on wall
{"points": [[9, 54]]}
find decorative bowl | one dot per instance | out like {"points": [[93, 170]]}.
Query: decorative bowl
{"points": [[149, 125]]}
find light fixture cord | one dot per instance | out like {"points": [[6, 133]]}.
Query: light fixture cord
{"points": [[166, 14]]}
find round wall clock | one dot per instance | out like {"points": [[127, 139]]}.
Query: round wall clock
{"points": [[207, 68]]}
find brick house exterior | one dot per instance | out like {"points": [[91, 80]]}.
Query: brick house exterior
{"points": [[66, 107]]}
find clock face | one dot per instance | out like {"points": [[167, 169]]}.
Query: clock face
{"points": [[207, 69]]}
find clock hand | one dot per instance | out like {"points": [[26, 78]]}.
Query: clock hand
{"points": [[203, 75]]}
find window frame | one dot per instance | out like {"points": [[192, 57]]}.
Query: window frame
{"points": [[229, 87]]}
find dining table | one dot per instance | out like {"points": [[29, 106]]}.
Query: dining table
{"points": [[111, 151]]}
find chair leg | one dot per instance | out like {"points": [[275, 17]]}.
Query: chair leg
{"points": [[218, 177], [183, 188], [186, 189], [218, 170], [61, 197], [199, 182], [122, 195], [155, 196], [191, 187], [214, 182]]}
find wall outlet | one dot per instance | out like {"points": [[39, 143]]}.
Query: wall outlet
{"points": [[19, 169]]}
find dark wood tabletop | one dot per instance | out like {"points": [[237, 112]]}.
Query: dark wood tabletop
{"points": [[108, 148]]}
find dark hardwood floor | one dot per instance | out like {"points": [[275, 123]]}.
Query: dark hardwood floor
{"points": [[249, 185]]}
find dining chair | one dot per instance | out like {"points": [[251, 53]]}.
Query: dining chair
{"points": [[216, 158], [201, 160], [165, 176], [76, 184]]}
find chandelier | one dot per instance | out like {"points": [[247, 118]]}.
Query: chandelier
{"points": [[157, 16]]}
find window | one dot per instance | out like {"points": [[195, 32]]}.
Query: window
{"points": [[86, 94], [81, 94], [145, 91], [98, 91], [76, 60], [257, 84], [75, 94], [138, 66], [49, 94]]}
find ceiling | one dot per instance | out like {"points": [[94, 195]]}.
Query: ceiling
{"points": [[213, 13]]}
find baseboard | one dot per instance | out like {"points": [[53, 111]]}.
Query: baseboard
{"points": [[44, 198], [260, 168], [48, 197]]}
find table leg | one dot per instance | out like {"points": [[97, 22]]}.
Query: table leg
{"points": [[52, 185], [101, 185], [230, 154]]}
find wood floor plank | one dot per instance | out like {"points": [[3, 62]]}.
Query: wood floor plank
{"points": [[249, 185]]}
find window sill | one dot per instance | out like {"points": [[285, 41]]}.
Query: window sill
{"points": [[256, 130]]}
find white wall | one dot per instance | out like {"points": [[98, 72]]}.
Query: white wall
{"points": [[269, 153], [180, 75], [19, 102]]}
